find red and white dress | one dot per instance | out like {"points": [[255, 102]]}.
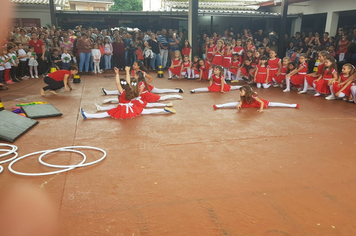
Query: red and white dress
{"points": [[238, 49], [216, 86], [234, 64], [147, 96], [186, 64], [337, 87], [245, 71], [298, 79], [261, 74], [195, 68], [209, 52], [310, 79], [218, 59], [175, 70], [322, 86], [279, 79], [205, 75], [252, 47], [133, 73], [227, 60], [186, 51], [273, 68], [254, 103], [126, 108]]}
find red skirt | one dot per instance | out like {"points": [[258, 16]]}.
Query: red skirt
{"points": [[279, 79], [150, 87], [205, 75], [226, 62], [139, 102], [150, 97], [272, 75], [244, 71], [175, 70], [126, 111], [346, 91], [233, 70], [261, 78], [255, 104], [322, 86], [310, 79], [217, 60], [217, 88], [297, 79], [207, 64]]}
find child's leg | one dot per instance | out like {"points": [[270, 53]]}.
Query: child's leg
{"points": [[258, 85], [227, 105], [157, 111], [192, 73], [238, 75], [31, 71], [235, 87], [170, 73], [13, 74], [287, 84], [101, 108], [156, 90], [266, 85], [342, 95], [111, 100], [230, 75], [317, 93], [278, 104], [156, 104], [36, 71], [199, 90], [189, 72], [341, 56], [111, 92], [225, 72], [97, 115], [7, 76], [162, 98], [196, 76], [210, 73], [353, 93], [305, 86]]}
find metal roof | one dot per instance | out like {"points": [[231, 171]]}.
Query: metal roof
{"points": [[97, 1], [42, 2]]}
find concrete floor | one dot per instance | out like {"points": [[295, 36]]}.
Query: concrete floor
{"points": [[198, 172]]}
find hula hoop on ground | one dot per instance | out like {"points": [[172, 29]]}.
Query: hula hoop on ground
{"points": [[7, 152]]}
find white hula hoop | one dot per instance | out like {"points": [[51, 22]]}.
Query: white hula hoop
{"points": [[72, 166], [44, 173], [7, 152], [1, 169]]}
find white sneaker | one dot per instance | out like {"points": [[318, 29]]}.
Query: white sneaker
{"points": [[169, 104], [36, 76], [345, 99], [97, 107], [275, 86], [330, 97], [32, 77], [286, 90]]}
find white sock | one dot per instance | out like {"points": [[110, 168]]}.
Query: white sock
{"points": [[97, 115], [155, 104], [258, 85], [342, 95], [229, 73], [305, 86], [201, 90], [165, 97], [266, 85], [236, 87], [210, 73], [189, 72], [278, 104], [331, 90], [106, 108], [225, 72], [156, 90], [153, 111], [112, 92], [227, 105], [111, 100], [288, 83], [192, 73], [238, 75], [170, 74]]}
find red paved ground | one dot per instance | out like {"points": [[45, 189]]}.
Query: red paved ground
{"points": [[198, 172]]}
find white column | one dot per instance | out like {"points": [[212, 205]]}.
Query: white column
{"points": [[296, 25], [332, 21]]}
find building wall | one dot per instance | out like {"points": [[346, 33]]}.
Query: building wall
{"points": [[33, 11], [151, 5], [318, 6], [89, 6]]}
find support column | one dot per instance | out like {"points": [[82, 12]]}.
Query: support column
{"points": [[296, 25], [332, 21], [193, 25], [282, 32], [211, 25], [52, 12]]}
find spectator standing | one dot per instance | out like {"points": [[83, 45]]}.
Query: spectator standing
{"points": [[119, 53], [154, 46], [40, 51], [164, 45], [174, 41], [24, 39], [84, 48], [108, 50]]}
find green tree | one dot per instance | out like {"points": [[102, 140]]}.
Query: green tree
{"points": [[127, 5]]}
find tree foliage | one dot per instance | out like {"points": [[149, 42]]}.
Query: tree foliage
{"points": [[127, 5]]}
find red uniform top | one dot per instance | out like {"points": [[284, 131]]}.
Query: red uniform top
{"points": [[122, 98], [327, 75], [304, 70], [195, 65], [343, 77], [262, 70], [59, 75], [320, 68], [139, 54], [255, 103], [38, 45], [186, 51], [252, 47], [273, 64], [186, 64], [235, 64], [133, 73], [209, 52], [284, 70], [238, 49], [217, 80]]}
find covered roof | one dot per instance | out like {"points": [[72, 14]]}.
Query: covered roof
{"points": [[216, 4], [42, 2], [97, 1]]}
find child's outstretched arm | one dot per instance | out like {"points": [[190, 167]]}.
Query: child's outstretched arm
{"points": [[261, 103], [150, 79], [128, 76], [267, 75], [239, 105], [118, 83]]}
